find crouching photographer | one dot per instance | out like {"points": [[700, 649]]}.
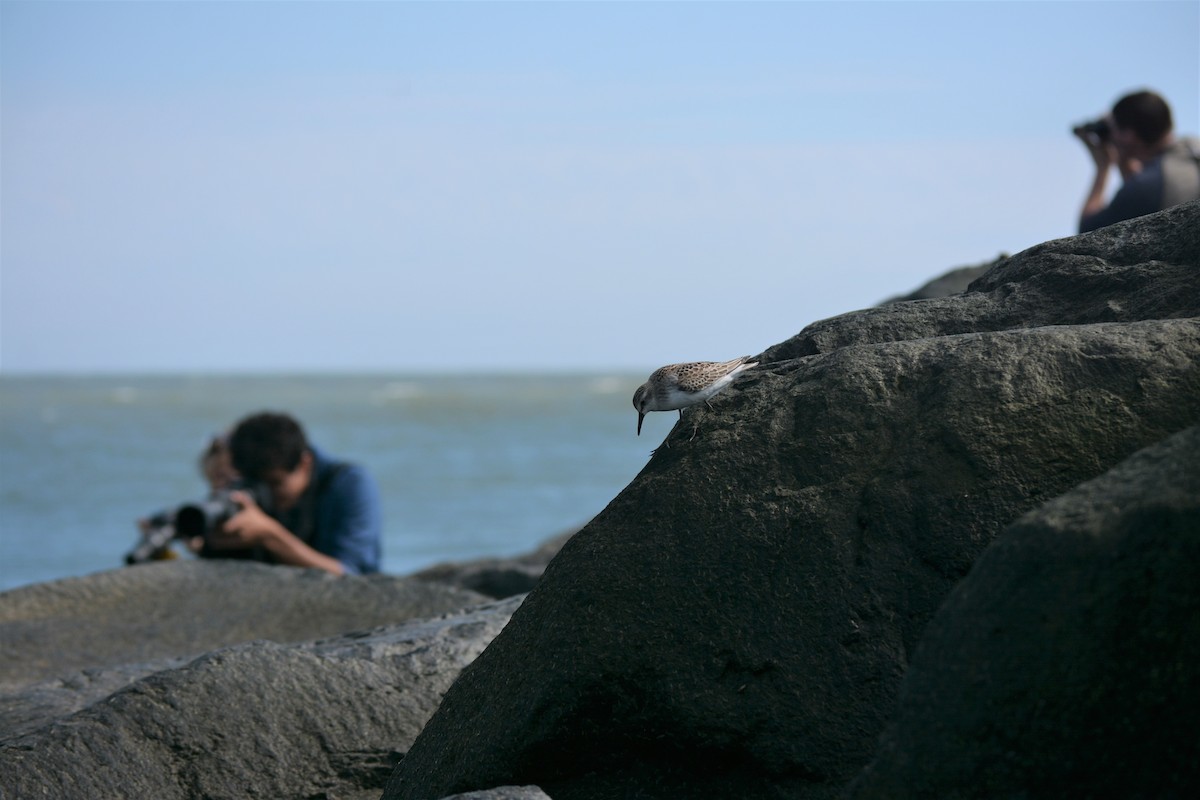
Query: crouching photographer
{"points": [[1157, 169], [307, 511], [276, 499]]}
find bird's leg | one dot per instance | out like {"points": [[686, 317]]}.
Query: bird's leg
{"points": [[695, 427]]}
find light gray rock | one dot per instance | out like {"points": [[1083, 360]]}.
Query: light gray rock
{"points": [[503, 793], [322, 719], [176, 609], [1067, 664], [33, 706]]}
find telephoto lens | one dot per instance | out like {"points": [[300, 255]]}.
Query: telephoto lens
{"points": [[205, 517], [199, 519]]}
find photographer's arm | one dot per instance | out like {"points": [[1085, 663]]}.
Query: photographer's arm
{"points": [[351, 521], [252, 526], [1104, 155]]}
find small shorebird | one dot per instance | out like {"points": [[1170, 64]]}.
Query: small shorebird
{"points": [[677, 386]]}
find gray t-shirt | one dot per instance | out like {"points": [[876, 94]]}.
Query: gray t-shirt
{"points": [[1170, 179]]}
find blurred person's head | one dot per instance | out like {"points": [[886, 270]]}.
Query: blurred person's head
{"points": [[271, 449], [216, 464], [1141, 124]]}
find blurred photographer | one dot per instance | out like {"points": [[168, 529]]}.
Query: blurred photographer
{"points": [[323, 513], [1158, 170]]}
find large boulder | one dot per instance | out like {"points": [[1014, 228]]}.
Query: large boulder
{"points": [[1142, 269], [737, 621], [1067, 664], [177, 609], [323, 719]]}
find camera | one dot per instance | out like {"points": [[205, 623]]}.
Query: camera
{"points": [[207, 516], [1097, 128], [192, 520]]}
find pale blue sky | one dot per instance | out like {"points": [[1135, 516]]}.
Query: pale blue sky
{"points": [[298, 186]]}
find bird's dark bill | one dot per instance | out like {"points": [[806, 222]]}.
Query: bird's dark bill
{"points": [[641, 417]]}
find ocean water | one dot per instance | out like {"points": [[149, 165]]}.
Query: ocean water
{"points": [[468, 465]]}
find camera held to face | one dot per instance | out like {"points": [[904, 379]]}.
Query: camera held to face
{"points": [[192, 520]]}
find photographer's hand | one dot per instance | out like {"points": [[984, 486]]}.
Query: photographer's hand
{"points": [[1102, 151], [252, 526], [249, 527]]}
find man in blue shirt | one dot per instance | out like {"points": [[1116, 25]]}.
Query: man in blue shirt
{"points": [[1158, 170], [317, 512]]}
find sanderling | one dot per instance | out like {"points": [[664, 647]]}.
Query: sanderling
{"points": [[677, 386]]}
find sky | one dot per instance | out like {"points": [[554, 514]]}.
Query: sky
{"points": [[391, 186]]}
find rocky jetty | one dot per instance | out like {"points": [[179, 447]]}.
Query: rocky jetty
{"points": [[177, 609], [324, 719], [191, 679], [737, 622], [936, 548]]}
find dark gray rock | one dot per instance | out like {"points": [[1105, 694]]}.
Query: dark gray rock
{"points": [[497, 577], [175, 609], [324, 719], [950, 283], [1067, 664], [737, 621], [1148, 268]]}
